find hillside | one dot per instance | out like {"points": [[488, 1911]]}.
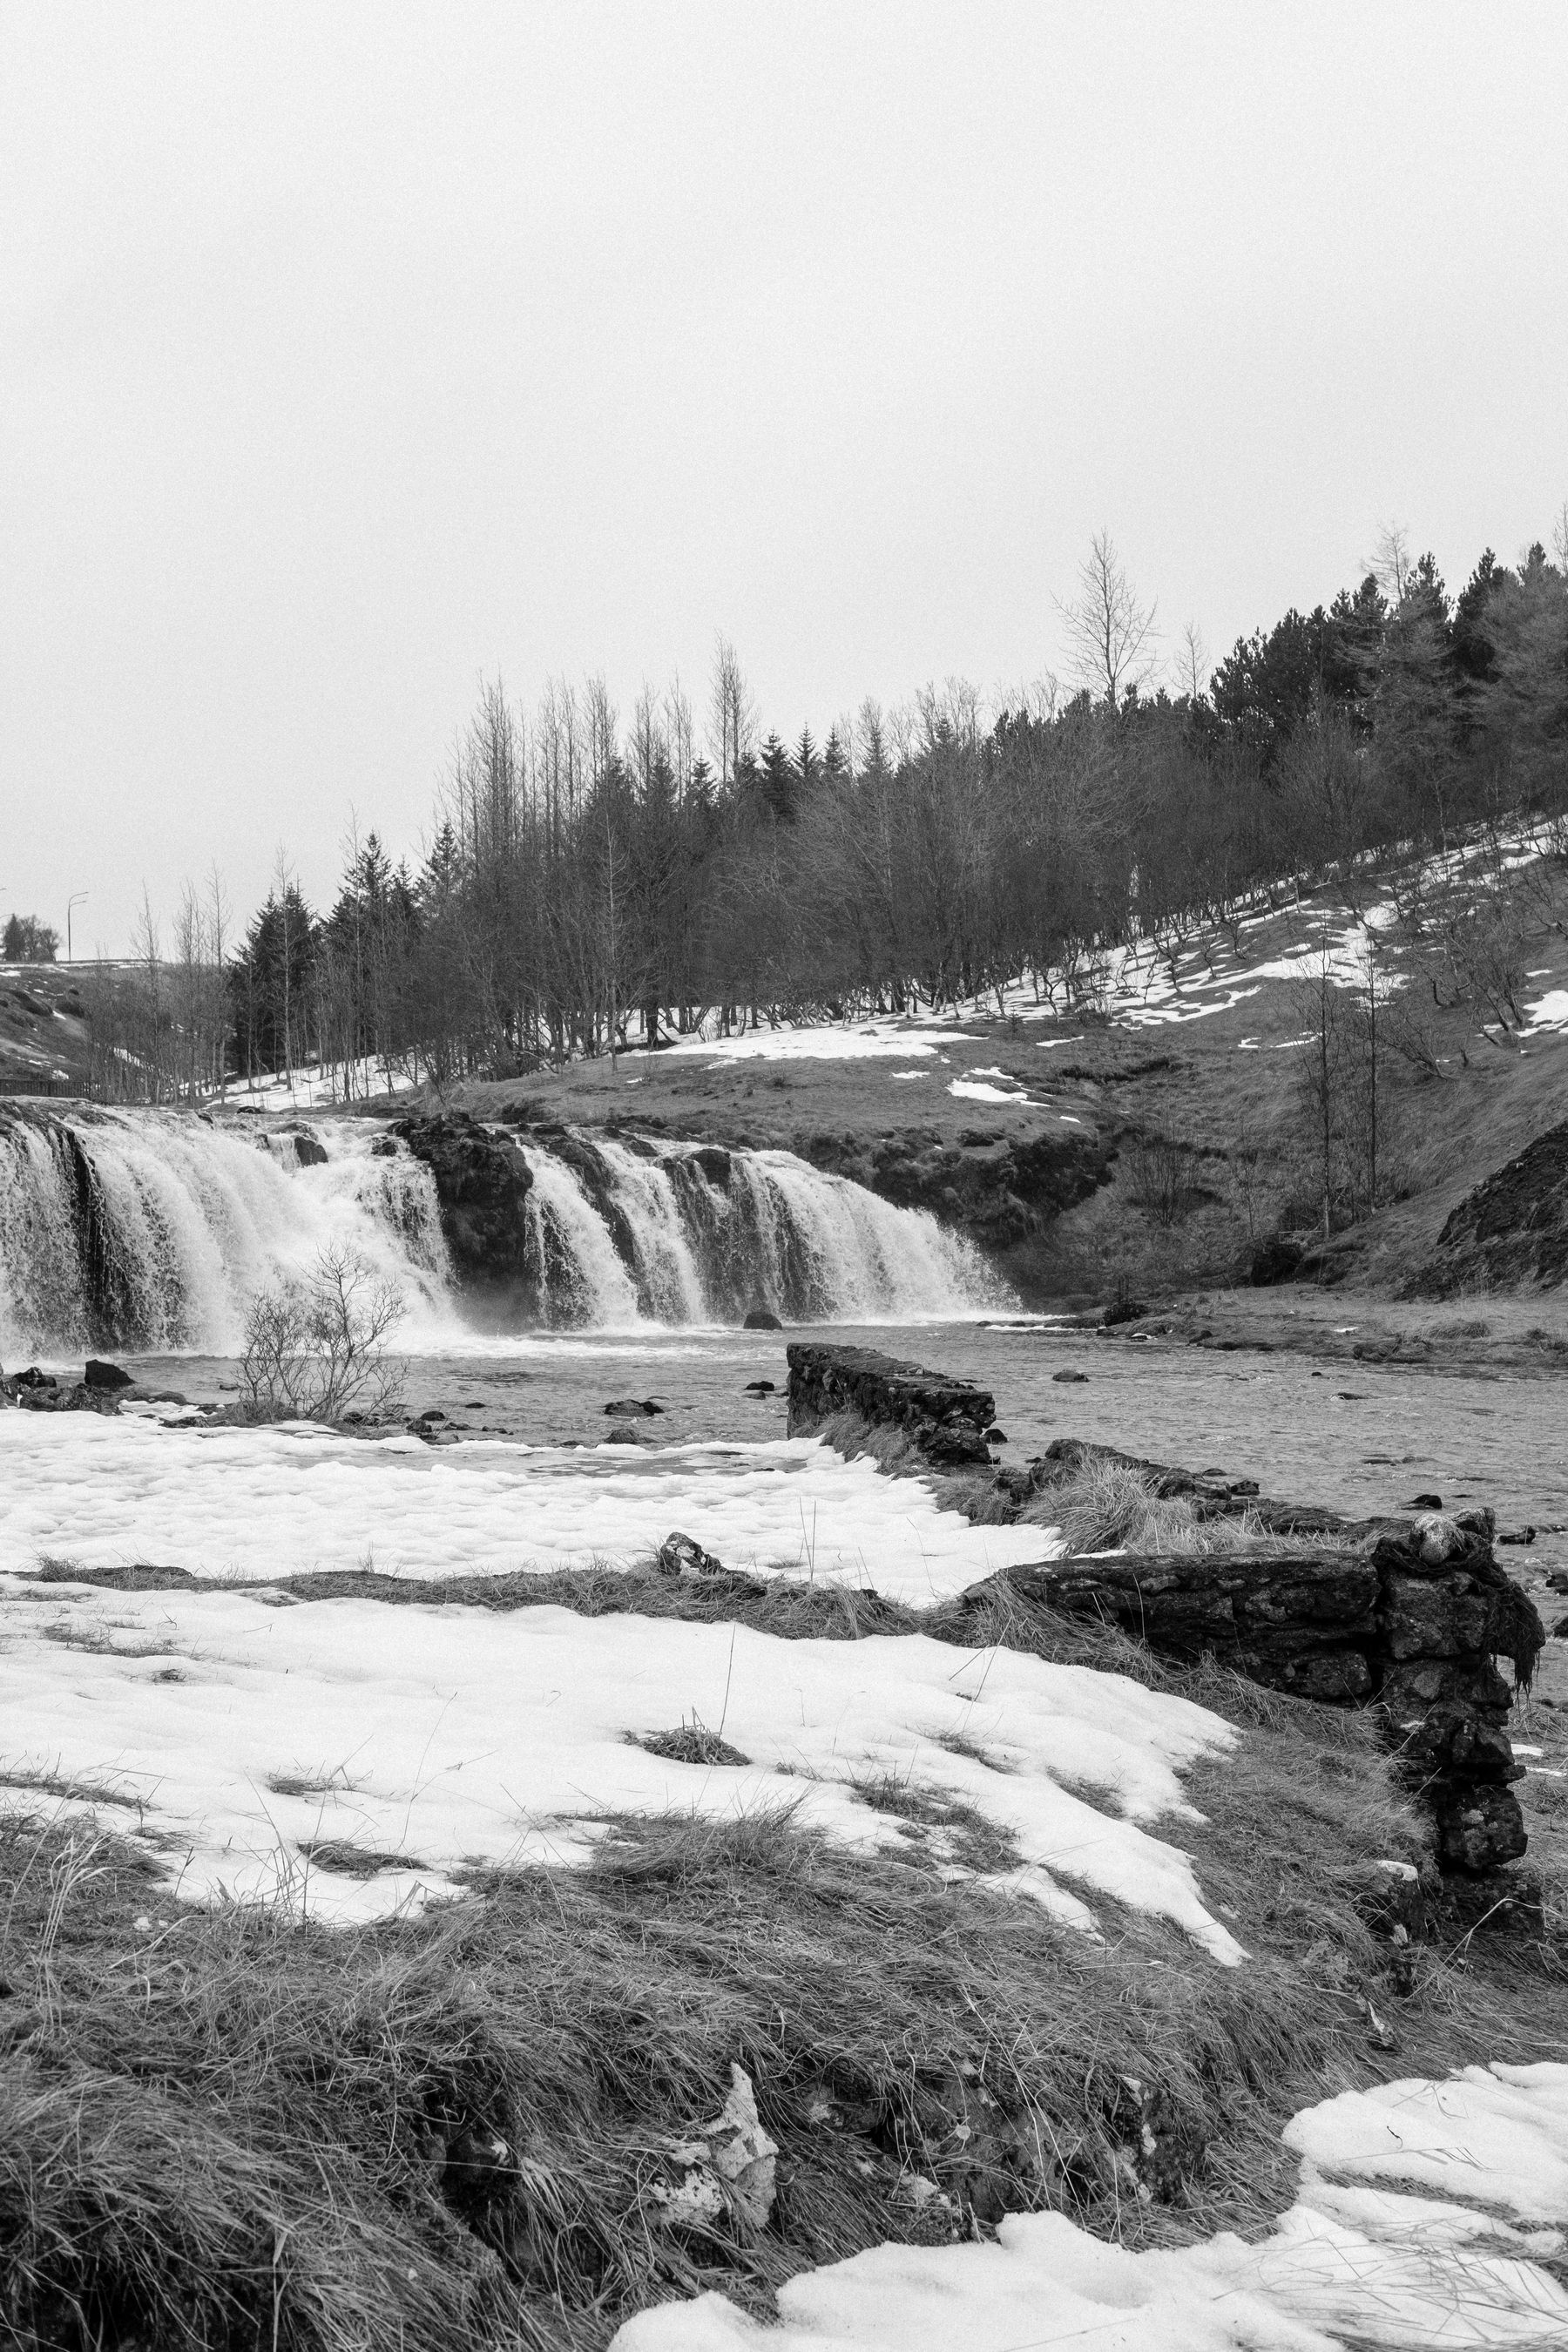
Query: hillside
{"points": [[1150, 1132], [1153, 1141], [44, 1040]]}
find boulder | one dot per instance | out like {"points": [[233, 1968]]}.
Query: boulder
{"points": [[308, 1151], [101, 1375], [681, 1555], [482, 1183], [761, 1318], [633, 1408], [946, 1419]]}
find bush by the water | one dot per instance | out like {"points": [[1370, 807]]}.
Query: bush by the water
{"points": [[317, 1350]]}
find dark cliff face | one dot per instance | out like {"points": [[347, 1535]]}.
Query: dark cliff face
{"points": [[998, 1188], [1513, 1228], [482, 1183]]}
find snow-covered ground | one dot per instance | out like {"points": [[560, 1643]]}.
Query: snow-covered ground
{"points": [[1356, 2260], [233, 1729], [310, 1085], [259, 1503], [823, 1041]]}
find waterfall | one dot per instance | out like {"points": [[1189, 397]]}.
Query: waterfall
{"points": [[625, 1231], [150, 1230]]}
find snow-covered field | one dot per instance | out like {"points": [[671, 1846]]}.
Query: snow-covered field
{"points": [[1357, 2259], [232, 1729], [235, 1729], [288, 1500]]}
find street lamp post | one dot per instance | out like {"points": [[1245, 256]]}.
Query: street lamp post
{"points": [[73, 901]]}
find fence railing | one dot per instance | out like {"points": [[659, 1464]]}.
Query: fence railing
{"points": [[82, 1089]]}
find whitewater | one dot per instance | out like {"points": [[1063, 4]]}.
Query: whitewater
{"points": [[150, 1230]]}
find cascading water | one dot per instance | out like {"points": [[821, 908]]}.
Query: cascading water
{"points": [[626, 1231], [150, 1230]]}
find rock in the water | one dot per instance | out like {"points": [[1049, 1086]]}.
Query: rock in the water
{"points": [[633, 1408], [99, 1375], [760, 1388], [761, 1318], [307, 1151], [1070, 1379], [482, 1181], [945, 1418]]}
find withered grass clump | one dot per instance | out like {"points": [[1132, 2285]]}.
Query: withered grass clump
{"points": [[1100, 1505]]}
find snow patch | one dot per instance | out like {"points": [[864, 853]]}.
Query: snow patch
{"points": [[295, 1499], [434, 1737], [1407, 2273]]}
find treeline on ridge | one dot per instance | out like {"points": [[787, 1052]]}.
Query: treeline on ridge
{"points": [[588, 886]]}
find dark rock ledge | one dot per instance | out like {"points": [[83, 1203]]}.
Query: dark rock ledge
{"points": [[1405, 1615]]}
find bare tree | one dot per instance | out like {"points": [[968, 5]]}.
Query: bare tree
{"points": [[1391, 566], [679, 735], [1108, 628], [1194, 662], [732, 721]]}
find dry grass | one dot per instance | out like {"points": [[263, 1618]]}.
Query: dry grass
{"points": [[1102, 1505], [229, 2128]]}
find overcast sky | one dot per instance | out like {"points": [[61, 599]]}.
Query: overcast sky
{"points": [[350, 355]]}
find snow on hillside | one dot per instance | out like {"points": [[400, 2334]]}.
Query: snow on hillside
{"points": [[1185, 974]]}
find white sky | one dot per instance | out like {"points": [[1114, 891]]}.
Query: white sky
{"points": [[347, 353]]}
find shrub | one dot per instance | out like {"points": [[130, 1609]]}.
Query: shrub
{"points": [[317, 1349], [1160, 1178]]}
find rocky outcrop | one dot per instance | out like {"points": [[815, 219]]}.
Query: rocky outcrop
{"points": [[1513, 1229], [945, 1418], [39, 1392], [1408, 1615], [482, 1184], [999, 1188]]}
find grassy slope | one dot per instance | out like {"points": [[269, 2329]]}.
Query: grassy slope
{"points": [[227, 2128], [1195, 1081], [43, 1032]]}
